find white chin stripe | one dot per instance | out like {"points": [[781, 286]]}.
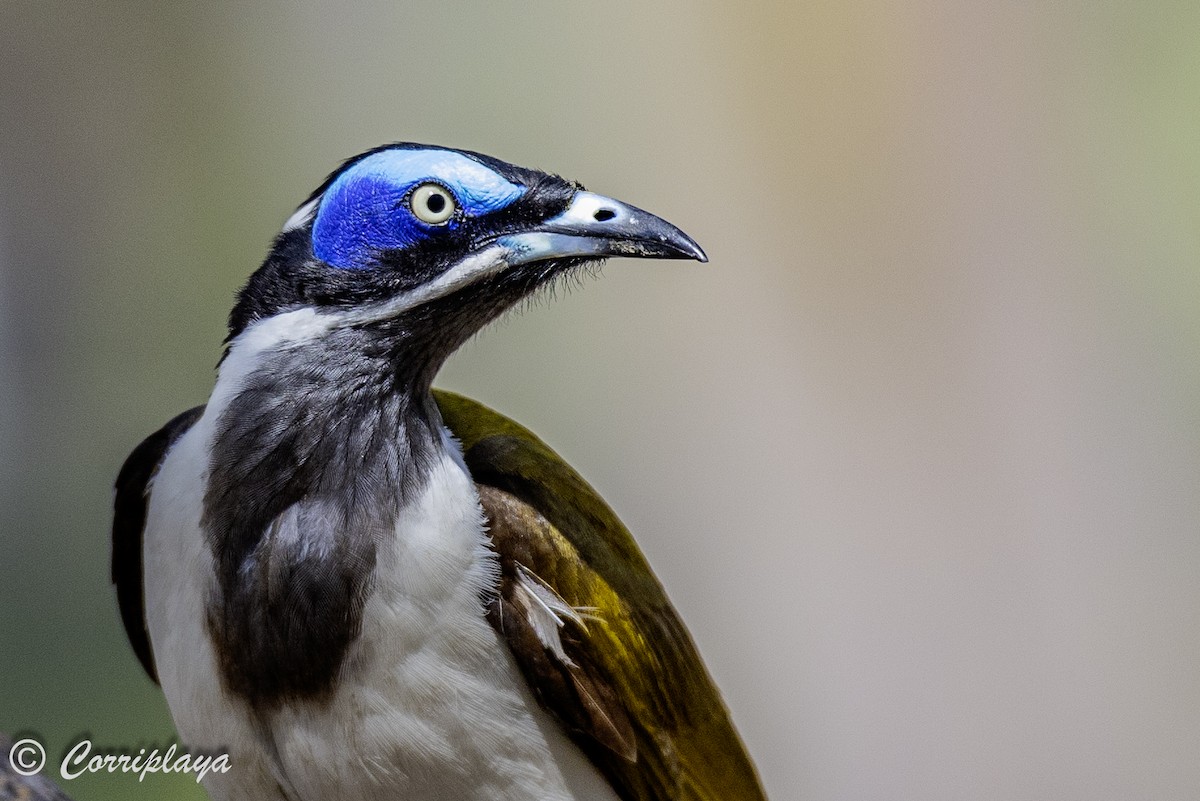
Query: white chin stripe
{"points": [[308, 323], [492, 259]]}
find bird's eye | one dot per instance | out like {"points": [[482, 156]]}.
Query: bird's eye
{"points": [[432, 204]]}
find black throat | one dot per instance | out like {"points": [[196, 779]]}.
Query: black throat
{"points": [[311, 462], [313, 459]]}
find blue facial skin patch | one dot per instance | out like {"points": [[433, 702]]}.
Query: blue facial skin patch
{"points": [[365, 211]]}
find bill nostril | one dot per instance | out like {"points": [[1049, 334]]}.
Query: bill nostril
{"points": [[604, 215]]}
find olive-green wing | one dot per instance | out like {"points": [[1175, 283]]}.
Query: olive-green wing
{"points": [[590, 626]]}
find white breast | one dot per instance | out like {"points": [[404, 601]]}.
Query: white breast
{"points": [[429, 705]]}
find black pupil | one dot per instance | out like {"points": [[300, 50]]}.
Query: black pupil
{"points": [[436, 203]]}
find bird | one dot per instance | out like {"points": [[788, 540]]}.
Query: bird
{"points": [[361, 587]]}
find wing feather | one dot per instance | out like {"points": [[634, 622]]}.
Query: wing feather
{"points": [[632, 690], [132, 496]]}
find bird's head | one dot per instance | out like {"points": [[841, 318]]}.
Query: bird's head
{"points": [[429, 244]]}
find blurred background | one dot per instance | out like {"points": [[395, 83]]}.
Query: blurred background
{"points": [[916, 454]]}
